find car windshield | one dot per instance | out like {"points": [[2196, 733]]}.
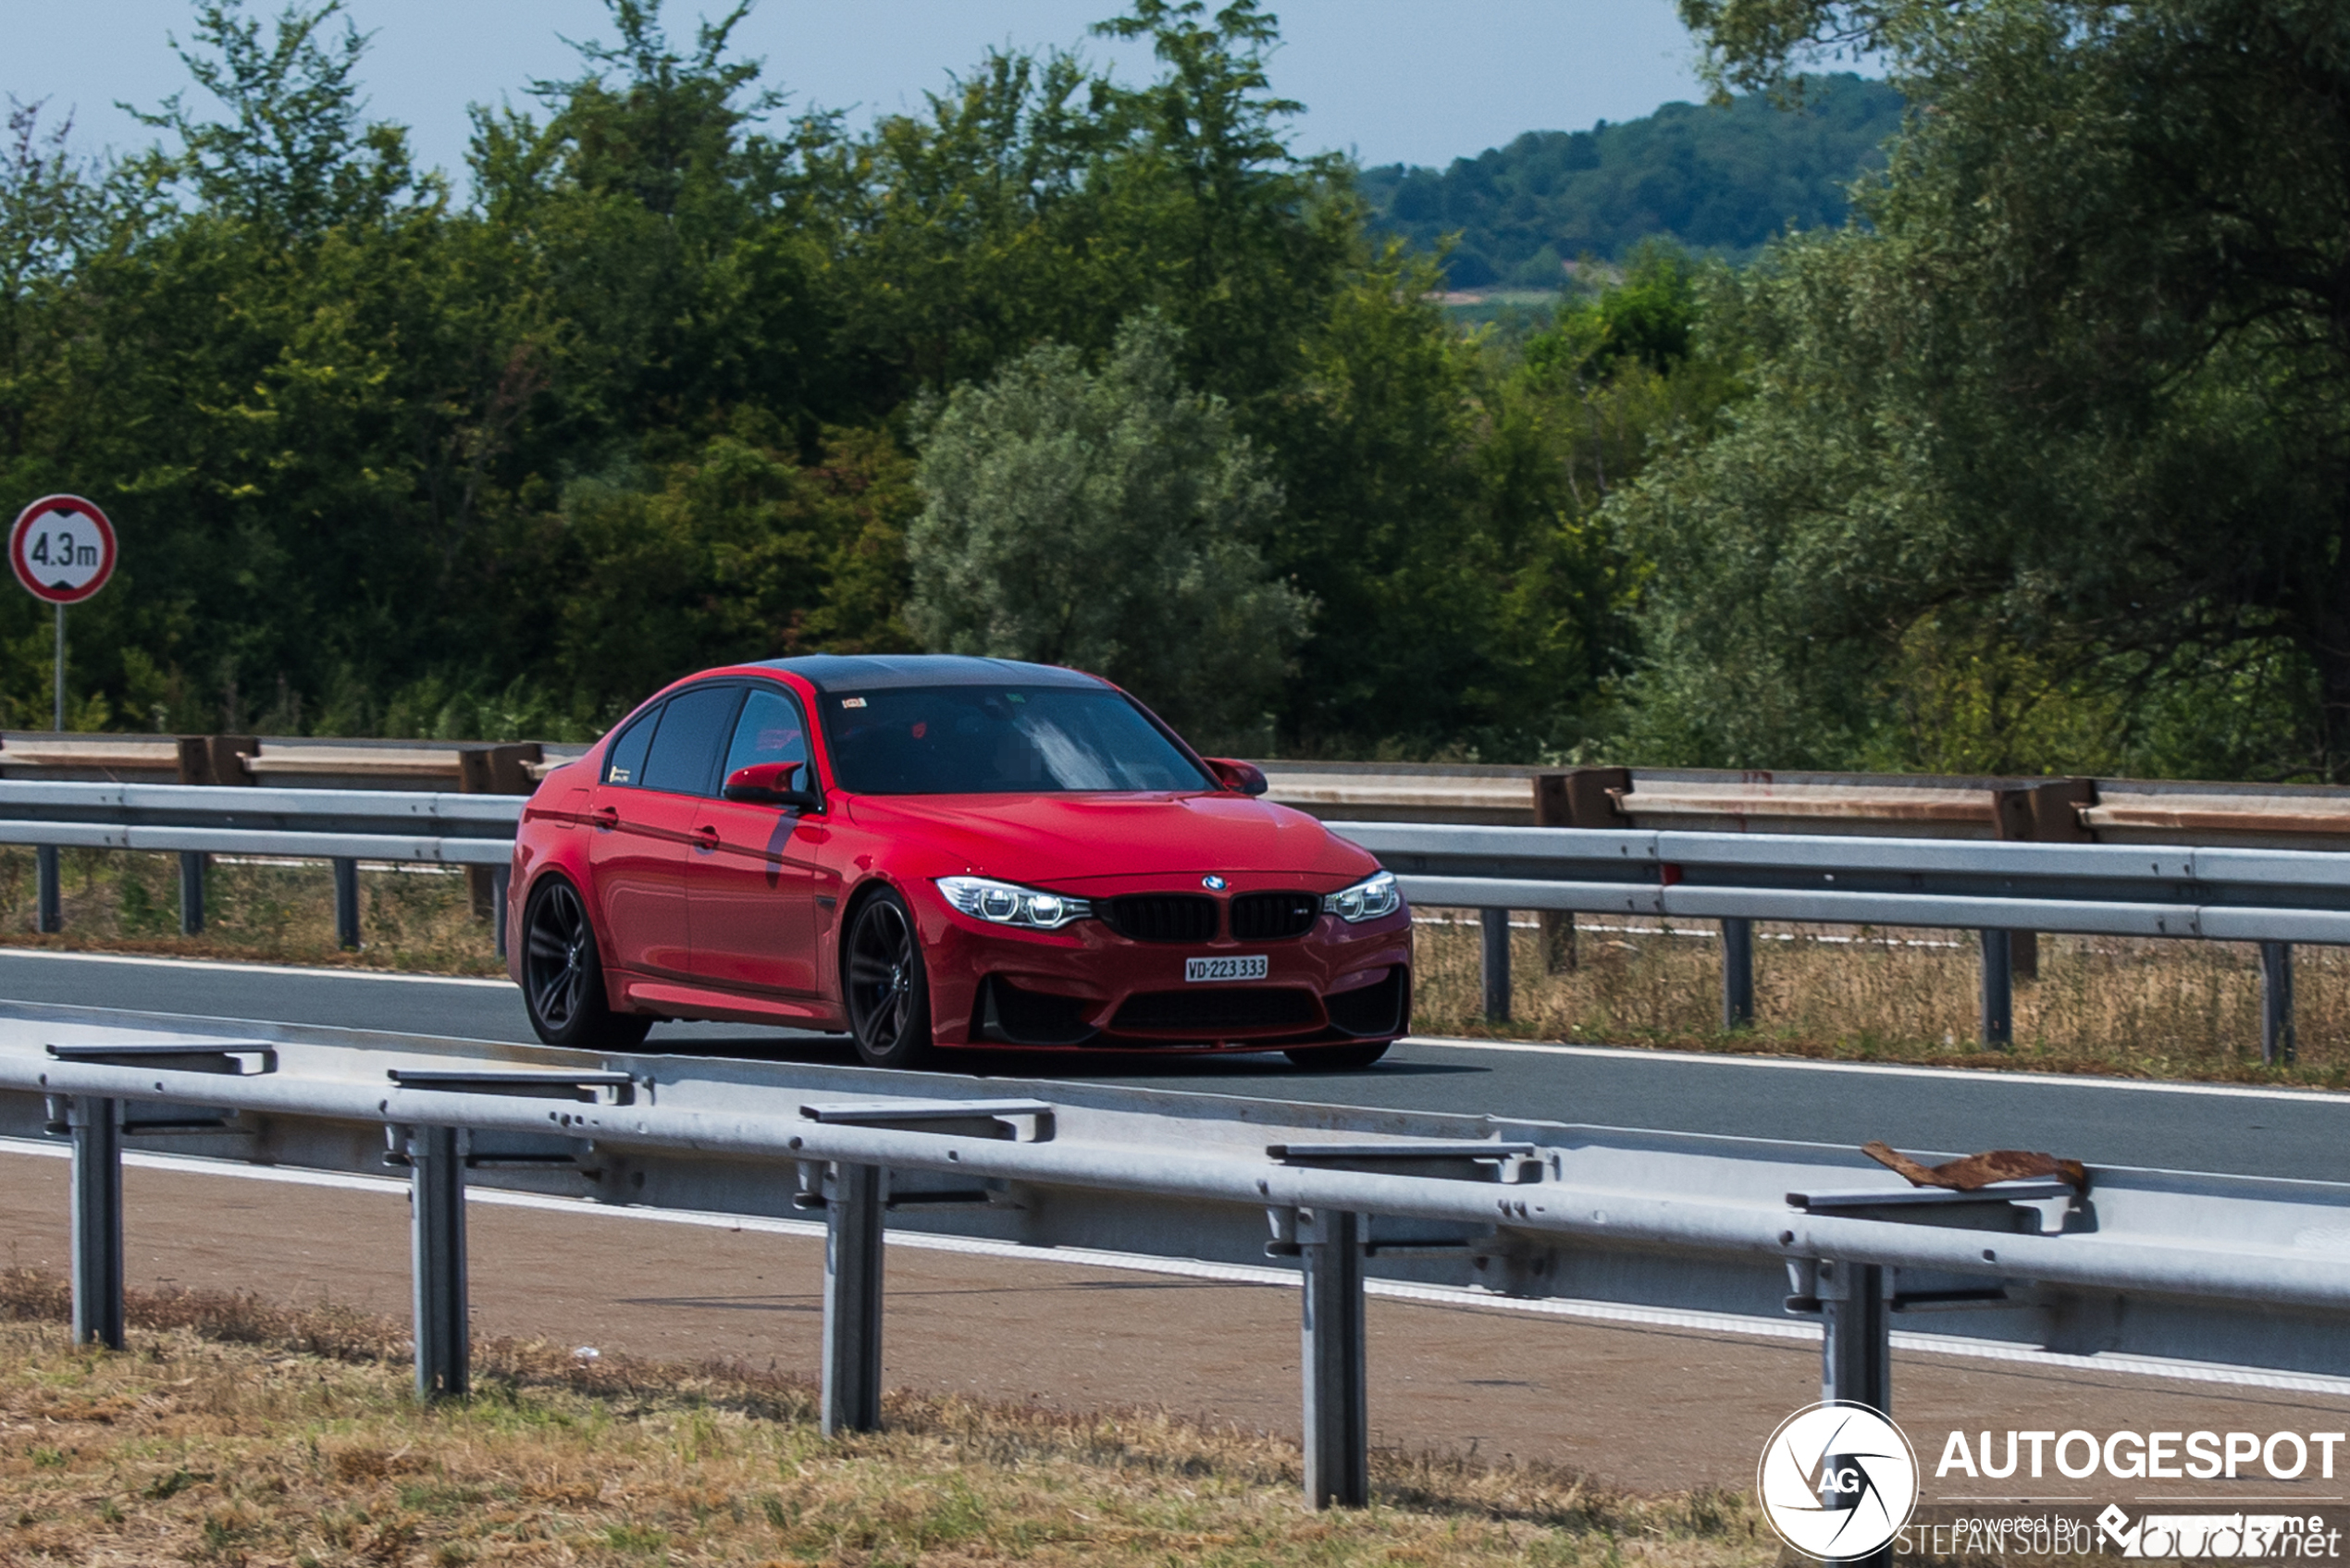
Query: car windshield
{"points": [[998, 740]]}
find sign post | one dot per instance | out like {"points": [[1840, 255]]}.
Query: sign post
{"points": [[62, 550]]}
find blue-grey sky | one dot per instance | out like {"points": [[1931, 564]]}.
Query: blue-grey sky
{"points": [[1389, 80]]}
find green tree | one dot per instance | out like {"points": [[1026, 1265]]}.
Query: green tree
{"points": [[669, 233], [735, 552], [1103, 521], [1622, 374], [2070, 404], [52, 214], [291, 152]]}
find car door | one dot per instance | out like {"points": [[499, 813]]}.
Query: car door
{"points": [[752, 886], [644, 812]]}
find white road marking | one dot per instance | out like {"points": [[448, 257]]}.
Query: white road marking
{"points": [[232, 966], [1717, 1323], [1888, 1070]]}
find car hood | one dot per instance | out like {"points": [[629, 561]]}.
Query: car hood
{"points": [[1066, 840]]}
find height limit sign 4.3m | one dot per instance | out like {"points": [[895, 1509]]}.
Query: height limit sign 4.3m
{"points": [[62, 550]]}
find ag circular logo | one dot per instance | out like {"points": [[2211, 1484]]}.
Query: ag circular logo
{"points": [[1838, 1481]]}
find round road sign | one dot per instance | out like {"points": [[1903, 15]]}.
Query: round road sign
{"points": [[62, 548]]}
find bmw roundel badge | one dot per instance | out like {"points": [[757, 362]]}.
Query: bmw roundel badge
{"points": [[1213, 883]]}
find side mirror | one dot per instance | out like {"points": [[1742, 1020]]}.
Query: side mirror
{"points": [[1246, 778], [769, 783]]}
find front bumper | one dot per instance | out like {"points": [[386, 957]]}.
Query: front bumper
{"points": [[1085, 987]]}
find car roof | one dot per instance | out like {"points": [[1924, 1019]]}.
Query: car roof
{"points": [[880, 672]]}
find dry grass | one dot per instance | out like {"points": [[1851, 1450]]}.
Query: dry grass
{"points": [[2103, 1005], [415, 917], [238, 1433]]}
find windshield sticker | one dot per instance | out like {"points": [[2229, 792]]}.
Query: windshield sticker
{"points": [[852, 702]]}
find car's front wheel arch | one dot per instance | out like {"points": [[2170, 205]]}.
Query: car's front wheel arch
{"points": [[885, 982]]}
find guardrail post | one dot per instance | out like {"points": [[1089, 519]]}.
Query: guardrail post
{"points": [[2044, 812], [494, 770], [2276, 1002], [853, 1301], [216, 760], [95, 1126], [437, 1250], [1495, 932], [1338, 1427], [1856, 1356], [1998, 989], [347, 904], [1576, 798], [50, 914], [1855, 1344], [1738, 972], [501, 882], [192, 868]]}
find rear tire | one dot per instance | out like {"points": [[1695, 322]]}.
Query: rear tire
{"points": [[1339, 1058], [887, 988], [563, 976]]}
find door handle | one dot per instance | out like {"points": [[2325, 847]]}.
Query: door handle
{"points": [[705, 838], [605, 816]]}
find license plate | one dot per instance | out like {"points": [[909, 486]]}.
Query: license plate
{"points": [[1249, 967]]}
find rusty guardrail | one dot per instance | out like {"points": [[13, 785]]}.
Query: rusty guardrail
{"points": [[2079, 810]]}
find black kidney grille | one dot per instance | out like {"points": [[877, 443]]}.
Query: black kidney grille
{"points": [[1209, 1011], [1271, 916], [1162, 916]]}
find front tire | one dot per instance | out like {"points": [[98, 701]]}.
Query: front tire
{"points": [[888, 988], [1339, 1058], [563, 976]]}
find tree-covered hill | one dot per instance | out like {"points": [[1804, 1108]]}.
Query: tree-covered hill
{"points": [[1716, 178]]}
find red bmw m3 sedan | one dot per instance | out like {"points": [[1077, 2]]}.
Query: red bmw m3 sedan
{"points": [[936, 852]]}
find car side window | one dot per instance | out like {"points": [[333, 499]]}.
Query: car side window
{"points": [[624, 763], [684, 756], [768, 731]]}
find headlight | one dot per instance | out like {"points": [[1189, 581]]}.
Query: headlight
{"points": [[1008, 903], [1369, 899]]}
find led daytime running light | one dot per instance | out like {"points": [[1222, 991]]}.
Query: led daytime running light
{"points": [[1008, 903], [1375, 897]]}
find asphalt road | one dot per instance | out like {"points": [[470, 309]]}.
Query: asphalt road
{"points": [[2252, 1132]]}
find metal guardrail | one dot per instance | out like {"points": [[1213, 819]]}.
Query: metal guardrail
{"points": [[303, 763], [2226, 894], [2275, 898], [2236, 1272], [343, 827]]}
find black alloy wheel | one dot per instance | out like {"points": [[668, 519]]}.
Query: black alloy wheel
{"points": [[888, 990], [563, 979], [1339, 1058]]}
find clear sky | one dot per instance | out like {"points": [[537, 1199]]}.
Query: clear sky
{"points": [[1389, 80]]}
